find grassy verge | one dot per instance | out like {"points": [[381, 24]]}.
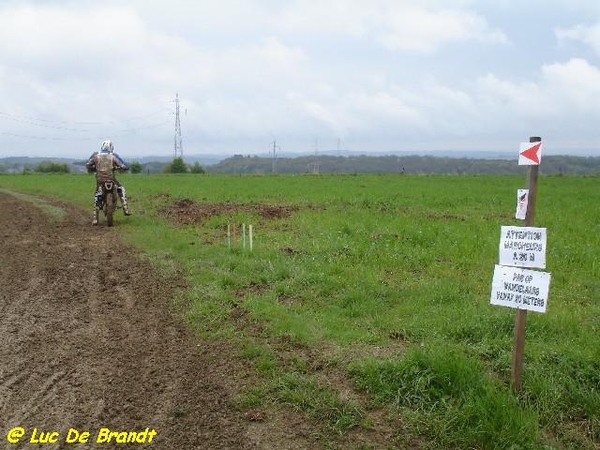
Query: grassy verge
{"points": [[54, 212], [373, 292]]}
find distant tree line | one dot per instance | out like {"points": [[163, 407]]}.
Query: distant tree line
{"points": [[416, 164], [52, 167]]}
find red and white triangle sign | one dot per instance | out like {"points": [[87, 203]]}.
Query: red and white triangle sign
{"points": [[530, 153]]}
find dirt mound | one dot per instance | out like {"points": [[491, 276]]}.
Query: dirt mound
{"points": [[188, 212]]}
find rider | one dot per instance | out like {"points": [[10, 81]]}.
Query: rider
{"points": [[104, 164]]}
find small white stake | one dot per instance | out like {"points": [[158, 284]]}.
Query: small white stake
{"points": [[250, 231]]}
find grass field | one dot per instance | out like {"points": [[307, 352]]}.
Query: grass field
{"points": [[365, 303]]}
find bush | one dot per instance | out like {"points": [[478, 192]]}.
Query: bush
{"points": [[136, 167], [177, 166], [197, 168], [50, 167]]}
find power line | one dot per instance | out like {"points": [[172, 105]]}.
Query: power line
{"points": [[44, 125], [33, 120], [123, 132], [43, 138]]}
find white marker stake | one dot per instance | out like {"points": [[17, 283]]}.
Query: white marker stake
{"points": [[229, 236], [244, 235], [250, 231]]}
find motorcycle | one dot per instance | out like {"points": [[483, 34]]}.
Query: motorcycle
{"points": [[108, 201]]}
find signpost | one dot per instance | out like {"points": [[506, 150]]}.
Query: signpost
{"points": [[530, 157], [520, 247]]}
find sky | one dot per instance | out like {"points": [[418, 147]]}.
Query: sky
{"points": [[370, 76]]}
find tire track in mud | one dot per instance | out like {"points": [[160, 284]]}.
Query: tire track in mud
{"points": [[87, 340]]}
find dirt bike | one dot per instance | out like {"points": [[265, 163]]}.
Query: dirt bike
{"points": [[109, 200]]}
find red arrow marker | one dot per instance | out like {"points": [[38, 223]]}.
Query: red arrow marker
{"points": [[532, 153]]}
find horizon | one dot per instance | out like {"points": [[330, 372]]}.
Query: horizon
{"points": [[330, 153]]}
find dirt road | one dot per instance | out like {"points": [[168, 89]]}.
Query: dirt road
{"points": [[87, 341]]}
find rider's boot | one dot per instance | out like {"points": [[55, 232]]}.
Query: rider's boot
{"points": [[123, 197], [95, 221]]}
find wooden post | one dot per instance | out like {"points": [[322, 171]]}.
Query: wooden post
{"points": [[521, 314]]}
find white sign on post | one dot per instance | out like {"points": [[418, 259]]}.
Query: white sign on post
{"points": [[522, 202], [520, 288], [523, 247]]}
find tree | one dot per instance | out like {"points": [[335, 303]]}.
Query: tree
{"points": [[135, 167], [177, 166], [197, 168]]}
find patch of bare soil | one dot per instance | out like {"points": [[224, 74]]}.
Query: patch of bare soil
{"points": [[88, 340], [187, 212]]}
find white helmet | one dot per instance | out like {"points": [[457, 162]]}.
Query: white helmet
{"points": [[107, 146]]}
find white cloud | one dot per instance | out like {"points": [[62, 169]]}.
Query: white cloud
{"points": [[357, 112], [587, 34], [575, 85], [423, 30], [345, 17], [381, 109], [399, 25], [563, 89], [506, 98], [44, 36]]}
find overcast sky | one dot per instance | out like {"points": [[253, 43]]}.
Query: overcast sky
{"points": [[358, 75]]}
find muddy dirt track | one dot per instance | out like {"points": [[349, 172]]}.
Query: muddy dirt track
{"points": [[88, 341]]}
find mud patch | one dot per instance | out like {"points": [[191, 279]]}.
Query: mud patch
{"points": [[188, 212], [89, 339]]}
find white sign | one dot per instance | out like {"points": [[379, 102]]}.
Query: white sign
{"points": [[522, 202], [523, 247], [530, 153], [520, 288]]}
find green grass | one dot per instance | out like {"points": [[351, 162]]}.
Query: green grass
{"points": [[386, 280], [457, 405]]}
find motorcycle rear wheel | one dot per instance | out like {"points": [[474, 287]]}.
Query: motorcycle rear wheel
{"points": [[110, 208]]}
